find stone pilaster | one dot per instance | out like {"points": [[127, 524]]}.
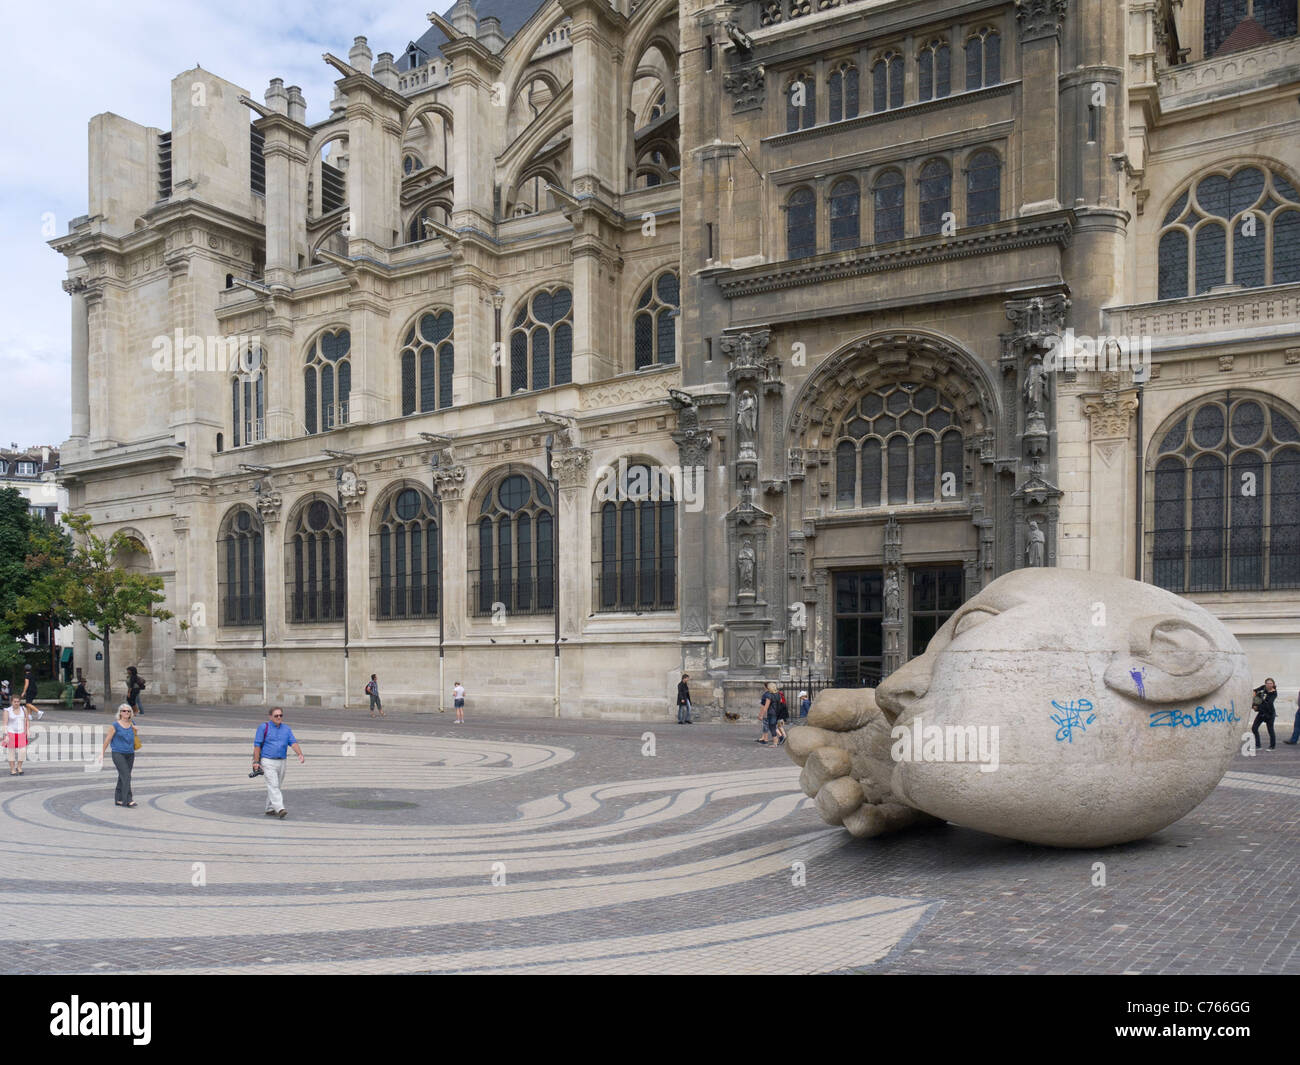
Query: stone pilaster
{"points": [[1040, 47], [1112, 492]]}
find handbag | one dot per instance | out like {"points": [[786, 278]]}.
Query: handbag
{"points": [[138, 744], [1255, 702]]}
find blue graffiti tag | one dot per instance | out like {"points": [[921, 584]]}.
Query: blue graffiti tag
{"points": [[1196, 718], [1071, 718], [1139, 676]]}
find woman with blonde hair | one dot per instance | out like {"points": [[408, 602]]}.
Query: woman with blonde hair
{"points": [[123, 740]]}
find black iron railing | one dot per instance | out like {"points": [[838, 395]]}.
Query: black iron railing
{"points": [[1245, 558], [393, 599], [495, 598]]}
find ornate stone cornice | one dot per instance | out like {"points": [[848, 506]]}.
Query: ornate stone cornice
{"points": [[1039, 18], [1109, 414]]}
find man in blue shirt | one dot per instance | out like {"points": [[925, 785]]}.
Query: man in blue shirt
{"points": [[270, 751]]}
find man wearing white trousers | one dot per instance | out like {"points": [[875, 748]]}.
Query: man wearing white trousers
{"points": [[270, 752]]}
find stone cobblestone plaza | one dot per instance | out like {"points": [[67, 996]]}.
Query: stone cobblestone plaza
{"points": [[536, 846]]}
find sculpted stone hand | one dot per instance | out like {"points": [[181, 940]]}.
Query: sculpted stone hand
{"points": [[1111, 708]]}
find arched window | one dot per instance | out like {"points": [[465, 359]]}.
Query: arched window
{"points": [[887, 82], [541, 342], [800, 224], [327, 381], [898, 445], [417, 231], [843, 91], [411, 163], [1240, 228], [983, 188], [514, 542], [888, 196], [428, 364], [315, 563], [844, 215], [801, 102], [936, 195], [654, 327], [404, 557], [240, 584], [636, 529], [1226, 497], [248, 399], [934, 71], [983, 59]]}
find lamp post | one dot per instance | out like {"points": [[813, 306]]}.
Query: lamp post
{"points": [[555, 561], [435, 461]]}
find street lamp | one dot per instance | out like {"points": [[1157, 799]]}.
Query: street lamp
{"points": [[435, 460]]}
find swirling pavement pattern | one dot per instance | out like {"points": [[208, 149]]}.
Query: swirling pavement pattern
{"points": [[603, 846]]}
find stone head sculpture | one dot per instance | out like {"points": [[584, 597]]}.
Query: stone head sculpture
{"points": [[1061, 707]]}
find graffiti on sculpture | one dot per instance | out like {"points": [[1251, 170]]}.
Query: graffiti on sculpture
{"points": [[1070, 718]]}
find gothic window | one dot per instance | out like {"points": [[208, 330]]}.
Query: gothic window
{"points": [[800, 224], [327, 381], [248, 399], [404, 557], [636, 529], [888, 195], [515, 548], [315, 563], [801, 102], [935, 195], [417, 231], [411, 163], [844, 215], [897, 446], [934, 71], [240, 582], [887, 82], [983, 188], [842, 88], [654, 325], [1238, 227], [983, 59], [1278, 17], [1226, 498], [541, 342], [428, 364]]}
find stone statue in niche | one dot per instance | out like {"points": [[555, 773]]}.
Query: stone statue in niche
{"points": [[1025, 719], [747, 422], [746, 561], [1036, 548], [1036, 386], [891, 596]]}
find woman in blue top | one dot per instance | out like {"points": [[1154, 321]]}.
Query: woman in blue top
{"points": [[767, 715], [122, 739]]}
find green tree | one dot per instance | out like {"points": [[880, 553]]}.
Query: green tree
{"points": [[88, 587], [18, 529]]}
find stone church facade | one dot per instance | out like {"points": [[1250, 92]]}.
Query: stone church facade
{"points": [[739, 326]]}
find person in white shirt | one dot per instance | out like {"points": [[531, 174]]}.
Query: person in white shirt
{"points": [[458, 701], [16, 722]]}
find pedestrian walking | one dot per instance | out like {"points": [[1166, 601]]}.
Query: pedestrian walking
{"points": [[29, 693], [270, 757], [17, 720], [805, 704], [767, 705], [782, 716], [134, 686], [458, 701], [1265, 712], [372, 690], [1295, 732], [684, 700], [123, 739]]}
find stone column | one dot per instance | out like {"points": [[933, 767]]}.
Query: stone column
{"points": [[597, 95], [352, 494], [285, 152], [450, 480], [283, 379], [1112, 493], [824, 617], [1040, 28], [269, 506], [573, 547], [76, 288]]}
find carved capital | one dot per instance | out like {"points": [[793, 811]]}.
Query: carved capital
{"points": [[268, 506], [1109, 414], [450, 481], [693, 446], [1039, 18], [749, 358], [570, 466], [747, 85], [352, 491]]}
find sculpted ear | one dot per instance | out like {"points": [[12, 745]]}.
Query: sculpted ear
{"points": [[1169, 659]]}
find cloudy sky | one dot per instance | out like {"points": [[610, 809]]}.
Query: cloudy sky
{"points": [[79, 58]]}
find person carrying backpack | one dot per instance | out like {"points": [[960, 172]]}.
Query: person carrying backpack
{"points": [[134, 686], [372, 690]]}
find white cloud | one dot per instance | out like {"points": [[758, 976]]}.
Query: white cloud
{"points": [[95, 57]]}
